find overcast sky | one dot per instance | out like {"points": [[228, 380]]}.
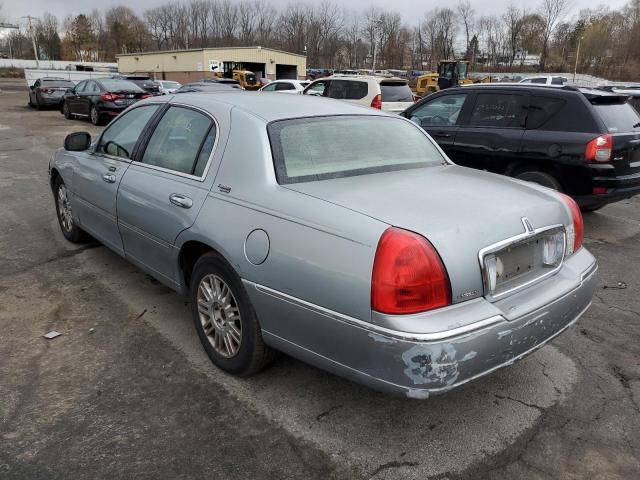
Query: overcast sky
{"points": [[411, 10]]}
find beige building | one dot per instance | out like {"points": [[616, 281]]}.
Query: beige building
{"points": [[194, 64]]}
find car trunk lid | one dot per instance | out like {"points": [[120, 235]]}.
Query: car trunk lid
{"points": [[460, 211]]}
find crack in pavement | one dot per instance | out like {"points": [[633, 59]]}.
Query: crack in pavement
{"points": [[393, 464]]}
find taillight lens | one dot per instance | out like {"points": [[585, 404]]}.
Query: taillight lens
{"points": [[599, 149], [147, 96], [377, 102], [576, 229], [109, 97], [408, 275], [44, 90]]}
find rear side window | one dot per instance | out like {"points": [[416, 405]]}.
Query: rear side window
{"points": [[498, 110], [558, 81], [542, 110], [619, 117], [538, 80], [178, 140], [347, 90], [396, 92], [284, 86]]}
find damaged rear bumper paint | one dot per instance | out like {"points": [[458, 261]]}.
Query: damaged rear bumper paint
{"points": [[444, 348]]}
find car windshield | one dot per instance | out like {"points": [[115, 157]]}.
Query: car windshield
{"points": [[619, 117], [115, 85], [58, 83], [396, 92], [320, 148]]}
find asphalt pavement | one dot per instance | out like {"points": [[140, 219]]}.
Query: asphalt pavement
{"points": [[127, 391]]}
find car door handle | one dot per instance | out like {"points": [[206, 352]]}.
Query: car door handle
{"points": [[109, 178], [442, 135], [180, 200]]}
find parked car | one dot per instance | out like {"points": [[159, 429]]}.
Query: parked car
{"points": [[552, 80], [48, 92], [225, 81], [292, 224], [145, 82], [583, 142], [286, 86], [204, 87], [168, 86], [632, 91], [388, 94], [100, 99]]}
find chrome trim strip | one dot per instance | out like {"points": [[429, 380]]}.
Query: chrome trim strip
{"points": [[522, 237], [408, 336], [144, 234]]}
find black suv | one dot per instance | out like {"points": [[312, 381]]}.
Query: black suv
{"points": [[583, 142]]}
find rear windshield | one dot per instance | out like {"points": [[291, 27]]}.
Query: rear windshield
{"points": [[320, 148], [58, 83], [114, 85], [396, 92], [166, 84], [619, 117]]}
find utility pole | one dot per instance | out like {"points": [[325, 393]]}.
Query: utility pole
{"points": [[33, 38], [9, 25], [575, 68]]}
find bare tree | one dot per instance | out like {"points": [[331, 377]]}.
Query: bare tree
{"points": [[467, 18], [513, 20], [551, 12]]}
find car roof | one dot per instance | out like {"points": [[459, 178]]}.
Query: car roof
{"points": [[276, 107], [588, 92]]}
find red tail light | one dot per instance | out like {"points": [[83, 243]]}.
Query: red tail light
{"points": [[599, 149], [408, 275], [576, 230], [147, 96], [377, 102], [109, 97]]}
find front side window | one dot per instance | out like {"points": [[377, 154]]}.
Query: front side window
{"points": [[80, 87], [178, 140], [498, 110], [442, 111], [269, 88], [317, 88], [121, 136], [320, 148]]}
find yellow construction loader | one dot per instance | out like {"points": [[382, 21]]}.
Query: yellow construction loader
{"points": [[451, 73]]}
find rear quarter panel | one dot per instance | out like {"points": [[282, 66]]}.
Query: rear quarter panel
{"points": [[318, 252]]}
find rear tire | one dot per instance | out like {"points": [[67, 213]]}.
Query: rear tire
{"points": [[70, 230], [95, 116], [223, 314], [541, 178]]}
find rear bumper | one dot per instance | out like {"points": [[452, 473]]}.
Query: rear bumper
{"points": [[619, 188], [424, 363], [50, 101]]}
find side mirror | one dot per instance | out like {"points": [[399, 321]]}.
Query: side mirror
{"points": [[77, 141]]}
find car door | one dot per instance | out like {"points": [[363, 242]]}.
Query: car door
{"points": [[85, 96], [73, 98], [440, 118], [163, 190], [99, 171], [490, 134]]}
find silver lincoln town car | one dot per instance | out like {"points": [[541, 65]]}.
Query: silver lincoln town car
{"points": [[336, 233]]}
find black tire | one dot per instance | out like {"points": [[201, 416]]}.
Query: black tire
{"points": [[252, 354], [65, 111], [30, 102], [94, 116], [591, 209], [542, 178], [73, 233], [38, 104]]}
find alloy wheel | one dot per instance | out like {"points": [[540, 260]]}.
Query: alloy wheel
{"points": [[64, 209], [219, 315], [94, 116]]}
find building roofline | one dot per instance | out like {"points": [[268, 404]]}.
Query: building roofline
{"points": [[209, 48]]}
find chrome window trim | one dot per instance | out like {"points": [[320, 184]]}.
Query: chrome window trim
{"points": [[213, 149], [514, 241]]}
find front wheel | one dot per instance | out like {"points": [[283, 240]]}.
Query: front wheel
{"points": [[225, 319], [70, 230], [65, 111]]}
